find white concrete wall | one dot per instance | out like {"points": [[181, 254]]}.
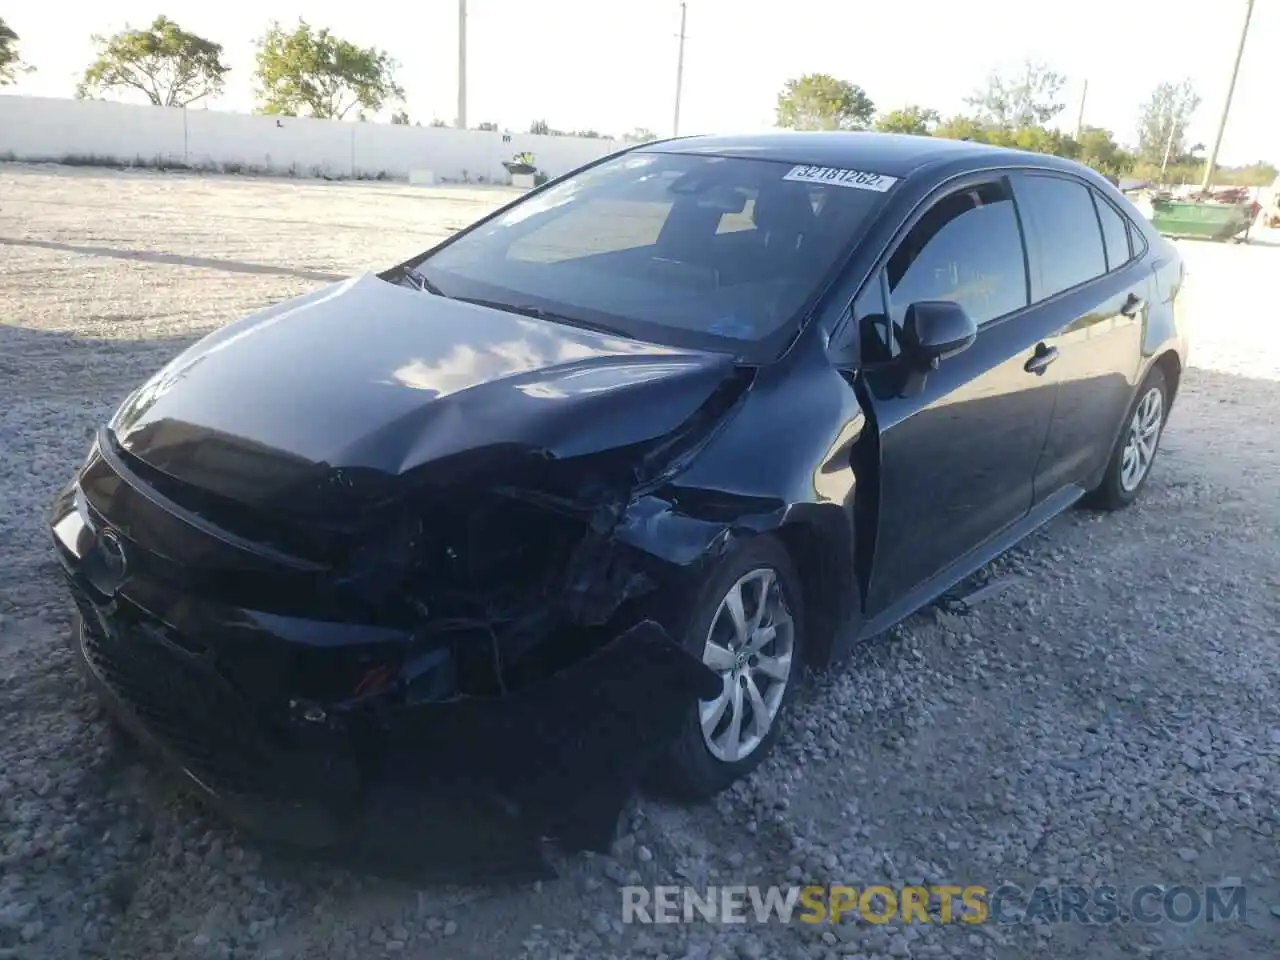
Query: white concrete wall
{"points": [[42, 128]]}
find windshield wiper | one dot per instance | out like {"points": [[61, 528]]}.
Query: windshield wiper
{"points": [[419, 280], [538, 313]]}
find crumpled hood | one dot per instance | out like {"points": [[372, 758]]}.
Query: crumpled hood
{"points": [[366, 376]]}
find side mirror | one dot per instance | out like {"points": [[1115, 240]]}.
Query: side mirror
{"points": [[934, 330]]}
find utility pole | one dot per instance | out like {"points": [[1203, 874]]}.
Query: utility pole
{"points": [[1084, 95], [675, 124], [461, 122], [1226, 107], [1168, 147]]}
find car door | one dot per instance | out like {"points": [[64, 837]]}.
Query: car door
{"points": [[1092, 288], [957, 459]]}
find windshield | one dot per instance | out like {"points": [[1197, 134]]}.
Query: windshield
{"points": [[691, 251]]}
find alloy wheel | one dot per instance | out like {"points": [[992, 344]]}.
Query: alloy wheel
{"points": [[750, 645], [1143, 436]]}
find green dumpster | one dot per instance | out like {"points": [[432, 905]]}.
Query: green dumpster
{"points": [[1208, 221]]}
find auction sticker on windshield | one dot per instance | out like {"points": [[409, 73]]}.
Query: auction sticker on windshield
{"points": [[857, 179]]}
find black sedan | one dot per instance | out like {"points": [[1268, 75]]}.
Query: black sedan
{"points": [[576, 495]]}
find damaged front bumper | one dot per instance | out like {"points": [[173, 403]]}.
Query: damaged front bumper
{"points": [[397, 785]]}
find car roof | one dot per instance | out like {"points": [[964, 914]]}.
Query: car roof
{"points": [[892, 154]]}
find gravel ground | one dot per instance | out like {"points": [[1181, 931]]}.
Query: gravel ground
{"points": [[1111, 719]]}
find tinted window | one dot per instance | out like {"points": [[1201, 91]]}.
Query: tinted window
{"points": [[592, 227], [674, 248], [967, 248], [746, 220], [1115, 233], [1071, 249]]}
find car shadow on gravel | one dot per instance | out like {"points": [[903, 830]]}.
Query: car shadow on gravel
{"points": [[173, 259]]}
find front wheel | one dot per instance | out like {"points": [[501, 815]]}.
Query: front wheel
{"points": [[748, 626], [1135, 450]]}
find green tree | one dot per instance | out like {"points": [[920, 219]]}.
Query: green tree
{"points": [[640, 135], [488, 125], [1038, 140], [1163, 120], [400, 118], [1260, 174], [818, 101], [1029, 97], [313, 70], [1095, 148], [1098, 149], [10, 63], [920, 121], [168, 65], [961, 127]]}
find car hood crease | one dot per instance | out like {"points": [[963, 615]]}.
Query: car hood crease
{"points": [[369, 377]]}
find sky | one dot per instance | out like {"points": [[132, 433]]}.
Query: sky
{"points": [[610, 65]]}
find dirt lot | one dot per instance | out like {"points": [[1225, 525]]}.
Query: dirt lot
{"points": [[1112, 719]]}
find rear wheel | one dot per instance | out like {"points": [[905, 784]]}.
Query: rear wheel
{"points": [[1135, 450], [748, 626]]}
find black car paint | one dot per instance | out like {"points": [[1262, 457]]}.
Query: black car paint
{"points": [[431, 381], [327, 418], [935, 465]]}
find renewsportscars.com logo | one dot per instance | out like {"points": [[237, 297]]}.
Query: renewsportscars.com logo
{"points": [[944, 903]]}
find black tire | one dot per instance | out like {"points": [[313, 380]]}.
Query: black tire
{"points": [[1112, 493], [691, 770]]}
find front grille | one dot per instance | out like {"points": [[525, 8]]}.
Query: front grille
{"points": [[186, 708], [83, 604], [187, 705]]}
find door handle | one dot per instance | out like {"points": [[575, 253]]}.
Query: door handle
{"points": [[1132, 305], [1041, 359]]}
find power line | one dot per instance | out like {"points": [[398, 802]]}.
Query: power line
{"points": [[675, 123]]}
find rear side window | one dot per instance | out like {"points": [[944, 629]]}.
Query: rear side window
{"points": [[1071, 248], [966, 248], [1115, 233]]}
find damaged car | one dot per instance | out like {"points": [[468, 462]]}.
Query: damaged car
{"points": [[576, 496]]}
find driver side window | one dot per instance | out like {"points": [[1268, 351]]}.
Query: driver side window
{"points": [[967, 248]]}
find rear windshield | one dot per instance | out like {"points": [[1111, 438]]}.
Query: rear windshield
{"points": [[692, 251]]}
